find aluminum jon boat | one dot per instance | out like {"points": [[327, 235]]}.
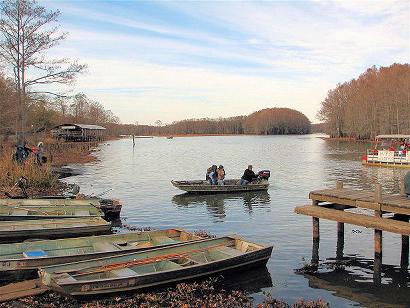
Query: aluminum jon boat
{"points": [[10, 212], [13, 231], [110, 207], [29, 256], [203, 187], [154, 267]]}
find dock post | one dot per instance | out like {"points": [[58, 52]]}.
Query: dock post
{"points": [[316, 238], [340, 230], [340, 240], [378, 239], [402, 188], [404, 256]]}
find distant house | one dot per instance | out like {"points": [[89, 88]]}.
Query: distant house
{"points": [[79, 132]]}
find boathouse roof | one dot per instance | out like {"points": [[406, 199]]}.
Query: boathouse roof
{"points": [[82, 126]]}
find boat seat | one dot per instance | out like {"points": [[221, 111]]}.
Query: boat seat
{"points": [[105, 247], [163, 240], [82, 213], [123, 272], [34, 254], [229, 251], [19, 212]]}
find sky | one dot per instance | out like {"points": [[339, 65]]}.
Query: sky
{"points": [[174, 60]]}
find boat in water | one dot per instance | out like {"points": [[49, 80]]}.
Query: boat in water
{"points": [[110, 207], [389, 151], [154, 267], [27, 257], [14, 231], [230, 186]]}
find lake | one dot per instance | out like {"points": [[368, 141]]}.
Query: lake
{"points": [[140, 177]]}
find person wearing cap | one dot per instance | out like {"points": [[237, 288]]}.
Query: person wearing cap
{"points": [[248, 176], [221, 175]]}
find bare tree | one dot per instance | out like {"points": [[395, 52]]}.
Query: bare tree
{"points": [[27, 32]]}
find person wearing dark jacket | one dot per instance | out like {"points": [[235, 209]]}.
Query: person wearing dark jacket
{"points": [[248, 176]]}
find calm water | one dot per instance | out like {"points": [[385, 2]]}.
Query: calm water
{"points": [[141, 177]]}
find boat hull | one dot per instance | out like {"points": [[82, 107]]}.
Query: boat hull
{"points": [[202, 187], [52, 228], [20, 265], [386, 165], [134, 282]]}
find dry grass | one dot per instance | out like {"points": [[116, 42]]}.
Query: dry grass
{"points": [[40, 177]]}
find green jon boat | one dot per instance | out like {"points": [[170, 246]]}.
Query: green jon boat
{"points": [[9, 212], [29, 256], [14, 231], [154, 267], [110, 207]]}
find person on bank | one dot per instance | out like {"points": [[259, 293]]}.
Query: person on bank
{"points": [[248, 176], [221, 175]]}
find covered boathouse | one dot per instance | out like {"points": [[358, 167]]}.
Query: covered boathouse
{"points": [[79, 132]]}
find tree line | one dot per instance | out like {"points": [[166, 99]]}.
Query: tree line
{"points": [[377, 102], [269, 121]]}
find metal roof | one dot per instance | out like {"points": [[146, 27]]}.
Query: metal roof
{"points": [[397, 136], [90, 126], [84, 126]]}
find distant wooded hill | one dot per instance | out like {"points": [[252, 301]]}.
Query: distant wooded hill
{"points": [[377, 102], [270, 121]]}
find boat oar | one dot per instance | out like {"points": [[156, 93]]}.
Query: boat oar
{"points": [[119, 265]]}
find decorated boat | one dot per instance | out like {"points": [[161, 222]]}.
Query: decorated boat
{"points": [[13, 231], [22, 212], [28, 256], [154, 267], [389, 151], [230, 186]]}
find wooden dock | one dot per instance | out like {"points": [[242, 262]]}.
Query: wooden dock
{"points": [[388, 213]]}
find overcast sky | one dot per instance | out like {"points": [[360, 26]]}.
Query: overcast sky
{"points": [[173, 60]]}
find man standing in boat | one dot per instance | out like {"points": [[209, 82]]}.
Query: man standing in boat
{"points": [[248, 176]]}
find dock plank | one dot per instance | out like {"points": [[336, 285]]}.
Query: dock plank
{"points": [[364, 199], [21, 289], [366, 221]]}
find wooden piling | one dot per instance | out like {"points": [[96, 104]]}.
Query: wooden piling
{"points": [[339, 185]]}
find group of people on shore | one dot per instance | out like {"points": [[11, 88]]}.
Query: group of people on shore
{"points": [[23, 152], [216, 175]]}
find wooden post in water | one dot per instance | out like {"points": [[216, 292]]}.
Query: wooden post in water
{"points": [[378, 239], [316, 238], [340, 230], [402, 188]]}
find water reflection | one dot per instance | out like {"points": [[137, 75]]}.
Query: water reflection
{"points": [[352, 278], [216, 204], [252, 280]]}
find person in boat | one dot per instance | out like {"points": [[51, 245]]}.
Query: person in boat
{"points": [[407, 184], [221, 175], [213, 176], [248, 176]]}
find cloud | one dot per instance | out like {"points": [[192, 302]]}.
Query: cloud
{"points": [[195, 59]]}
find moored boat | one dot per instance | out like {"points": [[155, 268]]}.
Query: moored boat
{"points": [[154, 267], [28, 256], [389, 151], [13, 231], [110, 207], [22, 212]]}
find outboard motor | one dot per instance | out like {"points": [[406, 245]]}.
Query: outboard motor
{"points": [[264, 174]]}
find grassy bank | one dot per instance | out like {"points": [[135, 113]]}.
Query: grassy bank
{"points": [[41, 179]]}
